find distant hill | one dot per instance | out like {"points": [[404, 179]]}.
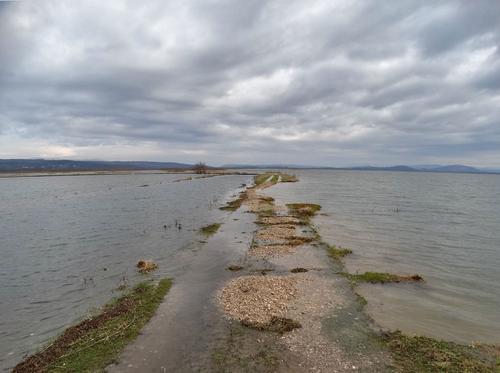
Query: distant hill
{"points": [[391, 168], [420, 168], [16, 165], [455, 168]]}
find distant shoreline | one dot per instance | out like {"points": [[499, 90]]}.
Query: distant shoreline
{"points": [[15, 174]]}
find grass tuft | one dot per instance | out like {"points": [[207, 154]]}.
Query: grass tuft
{"points": [[210, 229], [303, 210], [286, 178], [381, 277], [95, 343], [235, 204], [337, 253]]}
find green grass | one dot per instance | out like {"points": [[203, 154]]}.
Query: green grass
{"points": [[274, 177], [210, 229], [286, 178], [337, 253], [95, 343], [260, 179], [303, 210], [380, 277], [424, 354], [236, 203]]}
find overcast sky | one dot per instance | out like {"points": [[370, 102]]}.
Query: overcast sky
{"points": [[306, 82]]}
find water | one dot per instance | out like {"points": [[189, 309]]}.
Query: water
{"points": [[445, 227], [67, 244]]}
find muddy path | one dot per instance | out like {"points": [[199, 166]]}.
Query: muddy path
{"points": [[187, 322]]}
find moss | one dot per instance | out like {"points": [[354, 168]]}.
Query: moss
{"points": [[337, 253], [95, 343], [381, 277], [210, 229], [424, 354]]}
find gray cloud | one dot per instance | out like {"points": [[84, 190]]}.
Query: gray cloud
{"points": [[320, 82]]}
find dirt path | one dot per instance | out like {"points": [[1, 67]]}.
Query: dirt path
{"points": [[284, 310]]}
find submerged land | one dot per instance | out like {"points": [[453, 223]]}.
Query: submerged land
{"points": [[266, 294]]}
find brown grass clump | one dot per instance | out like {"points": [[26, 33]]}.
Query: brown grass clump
{"points": [[146, 266]]}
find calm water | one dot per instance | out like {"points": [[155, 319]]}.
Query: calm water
{"points": [[67, 244], [443, 226]]}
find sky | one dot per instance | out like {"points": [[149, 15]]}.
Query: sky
{"points": [[317, 82]]}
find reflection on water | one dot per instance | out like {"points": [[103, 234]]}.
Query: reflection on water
{"points": [[443, 226], [67, 244]]}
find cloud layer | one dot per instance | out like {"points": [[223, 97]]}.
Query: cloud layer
{"points": [[308, 82]]}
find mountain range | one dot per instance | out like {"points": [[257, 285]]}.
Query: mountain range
{"points": [[414, 168], [16, 165], [40, 165]]}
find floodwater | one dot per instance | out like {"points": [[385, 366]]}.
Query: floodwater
{"points": [[68, 243], [445, 227]]}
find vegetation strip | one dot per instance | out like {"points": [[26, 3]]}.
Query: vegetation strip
{"points": [[93, 344], [381, 277], [424, 354]]}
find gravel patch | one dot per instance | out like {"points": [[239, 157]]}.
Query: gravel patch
{"points": [[258, 299], [271, 220], [276, 232], [268, 251]]}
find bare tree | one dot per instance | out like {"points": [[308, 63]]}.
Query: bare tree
{"points": [[200, 168]]}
